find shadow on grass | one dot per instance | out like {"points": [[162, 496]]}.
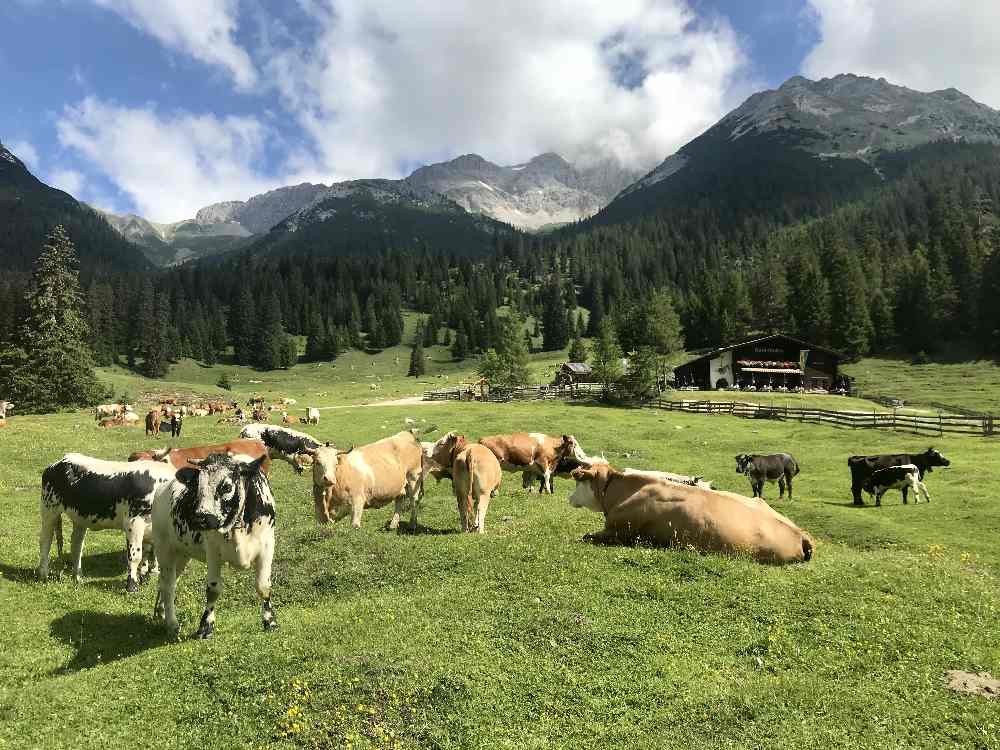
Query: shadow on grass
{"points": [[101, 565], [848, 504], [101, 638], [421, 530]]}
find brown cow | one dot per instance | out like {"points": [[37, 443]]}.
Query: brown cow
{"points": [[180, 458], [116, 422], [153, 422], [534, 454], [287, 418], [636, 506], [368, 477], [475, 477]]}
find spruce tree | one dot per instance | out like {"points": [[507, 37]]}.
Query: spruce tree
{"points": [[460, 349], [51, 365], [606, 356], [852, 323], [417, 355], [578, 351], [555, 325]]}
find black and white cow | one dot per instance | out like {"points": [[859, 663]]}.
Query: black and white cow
{"points": [[284, 443], [776, 467], [5, 406], [98, 494], [863, 467], [902, 478], [222, 511]]}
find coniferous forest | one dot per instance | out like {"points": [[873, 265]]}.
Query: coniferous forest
{"points": [[902, 267]]}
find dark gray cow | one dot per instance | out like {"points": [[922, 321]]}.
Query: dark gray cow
{"points": [[776, 467], [289, 445], [99, 494], [863, 467]]}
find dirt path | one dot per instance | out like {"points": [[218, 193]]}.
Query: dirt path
{"points": [[408, 401]]}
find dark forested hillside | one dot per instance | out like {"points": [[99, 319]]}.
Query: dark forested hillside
{"points": [[29, 210]]}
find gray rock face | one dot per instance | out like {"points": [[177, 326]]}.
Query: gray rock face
{"points": [[845, 117], [542, 192]]}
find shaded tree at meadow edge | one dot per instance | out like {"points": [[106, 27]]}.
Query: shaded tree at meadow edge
{"points": [[52, 366], [416, 368], [606, 356]]}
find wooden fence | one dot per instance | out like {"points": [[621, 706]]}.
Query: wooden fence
{"points": [[920, 424]]}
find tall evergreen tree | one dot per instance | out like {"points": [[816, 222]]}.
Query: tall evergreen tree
{"points": [[460, 349], [578, 351], [556, 331], [606, 356], [852, 324], [51, 365], [416, 368]]}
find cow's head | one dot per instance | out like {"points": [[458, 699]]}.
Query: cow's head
{"points": [[446, 448], [591, 482], [570, 448], [933, 457], [743, 462], [142, 456], [221, 493]]}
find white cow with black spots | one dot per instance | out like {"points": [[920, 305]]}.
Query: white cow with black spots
{"points": [[221, 512], [98, 494]]}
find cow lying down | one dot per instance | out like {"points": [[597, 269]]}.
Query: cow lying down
{"points": [[902, 478], [673, 514]]}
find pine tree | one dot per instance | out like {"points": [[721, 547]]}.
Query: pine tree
{"points": [[158, 336], [642, 372], [507, 364], [51, 365], [555, 326], [606, 356], [852, 323], [289, 352], [446, 341], [578, 351], [460, 349], [915, 320], [417, 354]]}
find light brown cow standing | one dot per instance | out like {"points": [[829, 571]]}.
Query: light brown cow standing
{"points": [[675, 514], [180, 458], [153, 422], [534, 454], [287, 418], [475, 477], [369, 476]]}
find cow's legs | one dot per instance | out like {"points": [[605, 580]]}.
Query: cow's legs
{"points": [[415, 491], [905, 490], [76, 551], [358, 507], [878, 496], [463, 516], [322, 509], [48, 530], [528, 481], [923, 488], [856, 491], [213, 590], [758, 487], [166, 596], [263, 566], [149, 564], [781, 487], [135, 529], [481, 507]]}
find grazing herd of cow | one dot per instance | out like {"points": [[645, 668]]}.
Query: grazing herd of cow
{"points": [[214, 502]]}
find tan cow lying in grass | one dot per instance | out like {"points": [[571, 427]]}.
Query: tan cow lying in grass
{"points": [[369, 476], [475, 477], [672, 514]]}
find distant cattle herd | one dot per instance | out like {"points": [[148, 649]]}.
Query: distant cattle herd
{"points": [[214, 502]]}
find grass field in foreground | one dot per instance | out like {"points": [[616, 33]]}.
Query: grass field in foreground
{"points": [[526, 637]]}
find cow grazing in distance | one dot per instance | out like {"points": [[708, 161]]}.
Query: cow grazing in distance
{"points": [[902, 478], [107, 410], [534, 454], [180, 458], [176, 423], [776, 467], [288, 402], [221, 512], [289, 445], [130, 417], [98, 494], [863, 467], [287, 418], [369, 476], [153, 422], [475, 477], [672, 514], [312, 415]]}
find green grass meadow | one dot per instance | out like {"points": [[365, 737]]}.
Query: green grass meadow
{"points": [[526, 637]]}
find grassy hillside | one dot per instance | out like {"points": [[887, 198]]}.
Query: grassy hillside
{"points": [[972, 384], [525, 637]]}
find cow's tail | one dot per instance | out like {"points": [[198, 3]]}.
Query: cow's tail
{"points": [[807, 548], [467, 500], [59, 537]]}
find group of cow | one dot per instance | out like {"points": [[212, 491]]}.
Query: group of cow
{"points": [[214, 502], [874, 475]]}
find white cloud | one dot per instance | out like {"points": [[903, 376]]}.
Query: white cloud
{"points": [[68, 180], [392, 82], [169, 164], [24, 151], [923, 44], [204, 29]]}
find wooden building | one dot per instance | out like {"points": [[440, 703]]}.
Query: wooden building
{"points": [[574, 372], [775, 360]]}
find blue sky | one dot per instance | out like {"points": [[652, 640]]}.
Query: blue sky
{"points": [[163, 106]]}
